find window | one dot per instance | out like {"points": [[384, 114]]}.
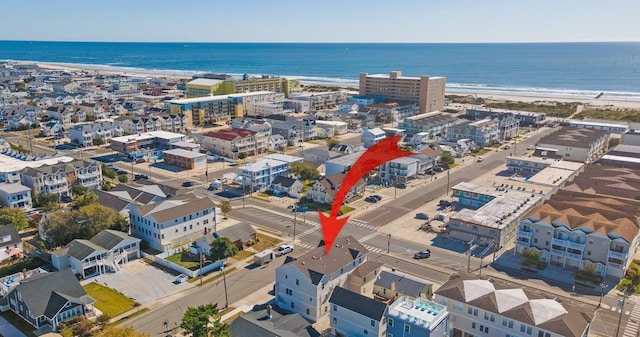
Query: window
{"points": [[473, 325], [504, 322], [307, 311], [297, 282], [529, 330], [373, 323], [335, 320], [335, 307], [407, 328], [390, 322], [205, 221], [310, 299], [588, 252], [492, 318], [511, 324], [540, 334], [475, 312], [293, 305], [522, 328]]}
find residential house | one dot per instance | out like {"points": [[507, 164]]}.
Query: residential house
{"points": [[66, 114], [242, 234], [175, 221], [15, 196], [277, 143], [523, 117], [294, 131], [59, 178], [390, 286], [98, 131], [324, 190], [234, 142], [46, 299], [341, 164], [497, 307], [104, 252], [10, 242], [576, 144], [318, 156], [52, 128], [267, 320], [304, 284], [355, 315], [579, 230], [331, 128], [399, 170], [370, 137], [259, 176], [62, 87], [285, 185], [94, 111], [361, 279], [433, 124], [417, 317], [484, 132], [122, 198]]}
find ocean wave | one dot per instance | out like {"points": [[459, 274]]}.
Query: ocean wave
{"points": [[542, 92]]}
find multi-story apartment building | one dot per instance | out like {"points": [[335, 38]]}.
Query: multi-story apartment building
{"points": [[493, 216], [325, 190], [530, 165], [576, 144], [484, 132], [58, 179], [578, 230], [15, 196], [294, 131], [399, 170], [66, 114], [176, 221], [220, 108], [417, 317], [304, 284], [435, 124], [353, 314], [259, 176], [370, 137], [202, 87], [231, 143], [146, 143], [173, 122], [85, 134], [320, 100], [427, 91], [341, 164], [615, 128], [496, 307], [523, 117]]}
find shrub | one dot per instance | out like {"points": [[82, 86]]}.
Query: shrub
{"points": [[71, 321]]}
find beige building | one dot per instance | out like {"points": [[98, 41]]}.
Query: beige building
{"points": [[427, 91], [231, 143]]}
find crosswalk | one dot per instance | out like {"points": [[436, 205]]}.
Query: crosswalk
{"points": [[631, 330], [309, 246], [316, 226]]}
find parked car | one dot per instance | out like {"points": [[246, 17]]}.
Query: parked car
{"points": [[140, 176], [66, 199], [430, 172], [480, 159], [121, 172], [401, 185], [187, 184], [506, 147], [423, 254], [422, 216], [530, 147], [444, 203], [377, 197], [438, 169], [284, 249], [299, 208], [371, 199]]}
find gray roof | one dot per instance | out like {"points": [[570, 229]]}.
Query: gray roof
{"points": [[404, 285], [109, 238], [80, 249], [284, 181], [111, 201], [240, 231], [175, 208], [282, 324], [9, 230], [572, 136], [47, 293], [355, 302], [14, 188]]}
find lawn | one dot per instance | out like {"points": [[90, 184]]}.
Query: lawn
{"points": [[109, 301], [187, 260], [483, 151], [17, 267], [242, 254], [265, 241], [18, 322]]}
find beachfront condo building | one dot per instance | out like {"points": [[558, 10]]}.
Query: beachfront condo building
{"points": [[203, 87], [427, 91]]}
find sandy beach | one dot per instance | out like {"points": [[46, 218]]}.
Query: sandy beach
{"points": [[179, 74]]}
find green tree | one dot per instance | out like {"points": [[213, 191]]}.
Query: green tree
{"points": [[107, 185], [331, 142], [83, 329], [225, 207], [108, 172], [62, 227], [114, 331], [32, 103], [15, 216], [87, 199], [98, 141], [242, 155], [304, 171], [222, 248], [48, 201], [220, 329], [123, 178], [196, 319], [79, 189], [446, 158]]}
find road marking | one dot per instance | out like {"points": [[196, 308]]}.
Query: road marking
{"points": [[368, 237]]}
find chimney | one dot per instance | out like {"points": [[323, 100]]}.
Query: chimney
{"points": [[393, 289]]}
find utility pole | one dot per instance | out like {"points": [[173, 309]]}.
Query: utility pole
{"points": [[295, 219], [201, 258], [388, 242], [226, 296], [448, 182], [624, 299]]}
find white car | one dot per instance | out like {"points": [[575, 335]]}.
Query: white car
{"points": [[284, 249], [530, 147], [479, 159]]}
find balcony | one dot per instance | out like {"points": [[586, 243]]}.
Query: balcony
{"points": [[558, 252], [560, 242], [575, 245], [525, 234], [524, 244], [573, 256], [617, 255], [614, 265]]}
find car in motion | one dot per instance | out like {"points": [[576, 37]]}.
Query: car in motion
{"points": [[284, 250], [187, 183], [480, 159], [423, 254]]}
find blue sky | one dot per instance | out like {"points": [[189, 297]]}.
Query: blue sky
{"points": [[321, 21]]}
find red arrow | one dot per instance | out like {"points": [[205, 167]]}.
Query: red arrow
{"points": [[380, 153]]}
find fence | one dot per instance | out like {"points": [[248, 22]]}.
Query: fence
{"points": [[159, 259]]}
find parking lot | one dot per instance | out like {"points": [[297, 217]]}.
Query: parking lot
{"points": [[141, 282]]}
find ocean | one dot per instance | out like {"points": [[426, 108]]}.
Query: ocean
{"points": [[580, 70]]}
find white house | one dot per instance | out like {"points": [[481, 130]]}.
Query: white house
{"points": [[325, 190], [15, 196], [304, 284], [356, 315], [258, 176], [285, 185], [371, 136], [10, 242], [576, 144]]}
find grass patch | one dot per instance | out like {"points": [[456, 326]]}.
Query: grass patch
{"points": [[552, 109], [261, 198], [483, 151], [265, 241], [307, 185], [453, 165], [108, 300], [243, 254], [68, 332], [19, 323], [187, 260], [17, 267], [222, 312], [273, 233], [631, 115], [132, 315]]}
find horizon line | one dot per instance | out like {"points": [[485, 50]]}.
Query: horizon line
{"points": [[324, 42]]}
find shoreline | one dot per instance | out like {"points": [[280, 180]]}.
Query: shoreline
{"points": [[602, 102]]}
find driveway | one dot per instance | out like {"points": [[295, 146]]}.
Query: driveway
{"points": [[140, 281], [6, 329]]}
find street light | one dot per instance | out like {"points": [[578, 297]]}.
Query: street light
{"points": [[622, 302], [295, 219], [224, 279]]}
